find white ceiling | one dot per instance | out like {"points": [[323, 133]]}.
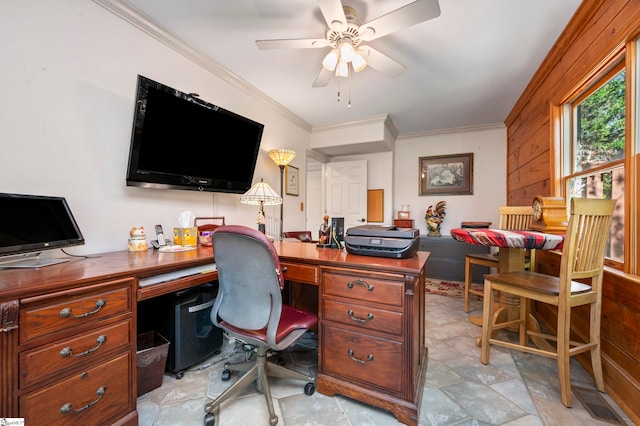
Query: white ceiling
{"points": [[465, 68]]}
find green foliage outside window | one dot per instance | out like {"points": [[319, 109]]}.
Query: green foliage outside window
{"points": [[601, 125]]}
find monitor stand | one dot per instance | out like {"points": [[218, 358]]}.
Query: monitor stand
{"points": [[29, 261]]}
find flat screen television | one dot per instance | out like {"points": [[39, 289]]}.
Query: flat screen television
{"points": [[32, 224], [182, 142]]}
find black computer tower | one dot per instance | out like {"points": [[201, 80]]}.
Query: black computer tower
{"points": [[337, 229], [184, 318]]}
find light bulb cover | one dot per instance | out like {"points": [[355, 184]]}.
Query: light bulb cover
{"points": [[282, 156], [261, 194], [342, 70], [347, 52], [358, 63], [331, 60]]}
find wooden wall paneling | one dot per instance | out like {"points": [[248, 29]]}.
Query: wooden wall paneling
{"points": [[597, 29]]}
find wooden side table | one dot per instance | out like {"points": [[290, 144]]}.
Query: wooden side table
{"points": [[403, 223]]}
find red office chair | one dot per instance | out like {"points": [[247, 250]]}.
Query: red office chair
{"points": [[249, 307]]}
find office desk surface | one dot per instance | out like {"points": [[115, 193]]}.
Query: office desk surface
{"points": [[17, 283], [104, 288]]}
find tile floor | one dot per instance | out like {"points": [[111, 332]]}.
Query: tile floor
{"points": [[515, 389]]}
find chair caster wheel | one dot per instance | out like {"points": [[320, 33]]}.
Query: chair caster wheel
{"points": [[226, 375], [179, 375], [309, 389], [209, 419]]}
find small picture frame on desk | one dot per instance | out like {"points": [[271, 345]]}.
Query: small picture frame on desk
{"points": [[403, 214]]}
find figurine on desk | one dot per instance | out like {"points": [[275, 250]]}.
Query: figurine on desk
{"points": [[325, 231]]}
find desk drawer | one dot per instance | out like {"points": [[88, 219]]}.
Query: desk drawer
{"points": [[300, 273], [365, 288], [83, 391], [363, 316], [48, 360], [61, 311], [372, 360]]}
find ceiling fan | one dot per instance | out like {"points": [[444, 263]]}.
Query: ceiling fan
{"points": [[345, 36]]}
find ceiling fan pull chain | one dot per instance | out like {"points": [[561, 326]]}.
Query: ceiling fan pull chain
{"points": [[349, 89]]}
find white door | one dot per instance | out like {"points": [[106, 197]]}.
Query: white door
{"points": [[346, 194]]}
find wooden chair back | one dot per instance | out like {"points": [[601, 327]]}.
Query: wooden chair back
{"points": [[511, 218], [515, 217], [585, 243]]}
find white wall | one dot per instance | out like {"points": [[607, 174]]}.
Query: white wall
{"points": [[489, 177], [68, 80]]}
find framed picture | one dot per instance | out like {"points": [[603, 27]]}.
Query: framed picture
{"points": [[293, 181], [446, 175], [403, 214]]}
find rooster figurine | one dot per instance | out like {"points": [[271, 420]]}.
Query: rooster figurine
{"points": [[435, 217]]}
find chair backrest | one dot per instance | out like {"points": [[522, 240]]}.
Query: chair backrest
{"points": [[304, 236], [250, 280], [517, 218], [586, 240]]}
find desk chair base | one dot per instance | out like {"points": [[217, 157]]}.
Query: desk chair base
{"points": [[257, 371]]}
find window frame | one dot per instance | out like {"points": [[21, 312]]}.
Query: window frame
{"points": [[563, 141]]}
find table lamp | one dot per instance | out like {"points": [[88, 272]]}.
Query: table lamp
{"points": [[282, 157], [261, 194]]}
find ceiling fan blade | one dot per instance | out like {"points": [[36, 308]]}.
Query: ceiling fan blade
{"points": [[302, 43], [381, 62], [406, 16], [323, 78], [334, 14]]}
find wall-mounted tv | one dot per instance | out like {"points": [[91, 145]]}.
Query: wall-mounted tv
{"points": [[182, 142], [32, 224]]}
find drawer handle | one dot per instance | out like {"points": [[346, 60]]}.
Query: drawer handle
{"points": [[360, 282], [66, 312], [68, 407], [65, 352], [368, 318], [361, 361]]}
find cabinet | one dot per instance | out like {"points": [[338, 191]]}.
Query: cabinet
{"points": [[446, 261], [370, 342], [70, 345], [403, 223]]}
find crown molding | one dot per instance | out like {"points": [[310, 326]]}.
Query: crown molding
{"points": [[145, 23]]}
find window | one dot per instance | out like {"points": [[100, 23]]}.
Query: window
{"points": [[595, 152]]}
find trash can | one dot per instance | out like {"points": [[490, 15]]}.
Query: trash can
{"points": [[151, 359]]}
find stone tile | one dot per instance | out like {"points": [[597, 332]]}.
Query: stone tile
{"points": [[439, 409], [362, 414], [515, 389], [249, 410], [483, 403], [314, 410]]}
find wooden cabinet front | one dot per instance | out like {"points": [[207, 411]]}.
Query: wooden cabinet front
{"points": [[77, 355], [93, 396], [371, 349]]}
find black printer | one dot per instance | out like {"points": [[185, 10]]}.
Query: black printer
{"points": [[382, 241]]}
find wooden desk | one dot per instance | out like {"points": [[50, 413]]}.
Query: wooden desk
{"points": [[380, 361]]}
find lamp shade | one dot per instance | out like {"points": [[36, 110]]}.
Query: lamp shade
{"points": [[358, 63], [282, 156], [331, 60], [261, 194]]}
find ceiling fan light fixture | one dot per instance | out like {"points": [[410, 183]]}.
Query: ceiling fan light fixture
{"points": [[347, 52], [358, 62], [342, 70], [331, 60]]}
